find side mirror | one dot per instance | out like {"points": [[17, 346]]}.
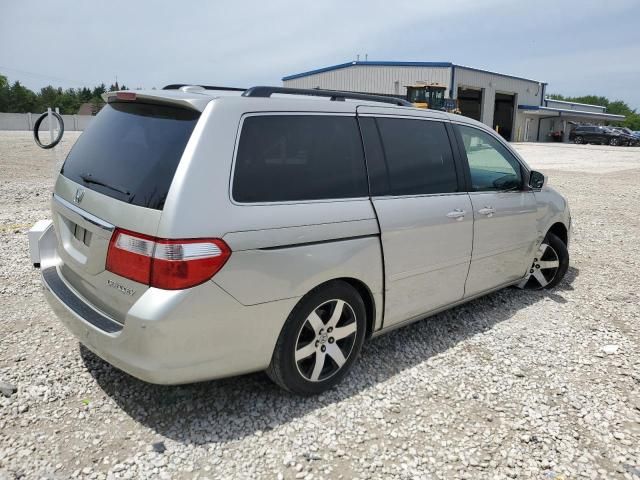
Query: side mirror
{"points": [[536, 180]]}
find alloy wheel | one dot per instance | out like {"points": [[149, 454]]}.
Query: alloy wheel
{"points": [[543, 269], [325, 340]]}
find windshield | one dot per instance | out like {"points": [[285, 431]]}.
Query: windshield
{"points": [[130, 152], [417, 94]]}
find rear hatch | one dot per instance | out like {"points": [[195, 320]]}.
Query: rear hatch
{"points": [[117, 175]]}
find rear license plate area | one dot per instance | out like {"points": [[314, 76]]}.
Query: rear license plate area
{"points": [[81, 234]]}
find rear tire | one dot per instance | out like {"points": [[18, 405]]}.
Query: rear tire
{"points": [[614, 142], [320, 340], [549, 265], [579, 140]]}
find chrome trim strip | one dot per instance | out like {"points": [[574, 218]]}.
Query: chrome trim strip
{"points": [[86, 215]]}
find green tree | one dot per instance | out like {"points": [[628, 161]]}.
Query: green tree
{"points": [[98, 91], [4, 93], [85, 95], [619, 107], [17, 98], [69, 101], [21, 99], [48, 97]]}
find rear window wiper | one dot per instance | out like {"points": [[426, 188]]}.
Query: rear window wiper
{"points": [[88, 178]]}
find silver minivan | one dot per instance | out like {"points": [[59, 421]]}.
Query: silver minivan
{"points": [[202, 232]]}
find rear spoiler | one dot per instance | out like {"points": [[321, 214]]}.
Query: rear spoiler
{"points": [[164, 97]]}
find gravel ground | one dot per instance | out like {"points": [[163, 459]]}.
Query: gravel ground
{"points": [[542, 385]]}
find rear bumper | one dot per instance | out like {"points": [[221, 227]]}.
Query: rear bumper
{"points": [[169, 337]]}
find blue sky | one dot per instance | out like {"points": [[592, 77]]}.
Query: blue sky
{"points": [[578, 47]]}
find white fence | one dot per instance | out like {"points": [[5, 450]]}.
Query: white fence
{"points": [[25, 121]]}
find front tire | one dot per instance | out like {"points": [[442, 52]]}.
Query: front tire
{"points": [[549, 265], [320, 340], [614, 142]]}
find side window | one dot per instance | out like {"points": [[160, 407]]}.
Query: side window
{"points": [[299, 157], [418, 158], [493, 167]]}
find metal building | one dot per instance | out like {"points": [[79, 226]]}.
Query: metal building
{"points": [[541, 121], [516, 107]]}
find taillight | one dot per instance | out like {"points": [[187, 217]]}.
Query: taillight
{"points": [[130, 255], [163, 263]]}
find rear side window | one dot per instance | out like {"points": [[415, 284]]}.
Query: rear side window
{"points": [[418, 157], [130, 152], [298, 157]]}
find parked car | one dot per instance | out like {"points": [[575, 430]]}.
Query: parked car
{"points": [[198, 235], [596, 134], [630, 137]]}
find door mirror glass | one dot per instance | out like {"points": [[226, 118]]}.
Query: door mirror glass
{"points": [[536, 179]]}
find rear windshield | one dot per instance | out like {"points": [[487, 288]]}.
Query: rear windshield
{"points": [[130, 152]]}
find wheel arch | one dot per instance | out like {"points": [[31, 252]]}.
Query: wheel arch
{"points": [[369, 302], [560, 230]]}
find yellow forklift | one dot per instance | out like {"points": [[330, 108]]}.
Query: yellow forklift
{"points": [[430, 95]]}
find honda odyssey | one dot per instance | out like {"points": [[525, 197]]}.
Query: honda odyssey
{"points": [[202, 232]]}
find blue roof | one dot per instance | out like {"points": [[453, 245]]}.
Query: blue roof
{"points": [[371, 64], [575, 113], [547, 99], [398, 64]]}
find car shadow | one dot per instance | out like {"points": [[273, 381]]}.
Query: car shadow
{"points": [[202, 413]]}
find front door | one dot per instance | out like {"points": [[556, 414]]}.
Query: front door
{"points": [[504, 211], [425, 216]]}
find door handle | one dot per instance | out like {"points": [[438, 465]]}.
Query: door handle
{"points": [[488, 211], [457, 214]]}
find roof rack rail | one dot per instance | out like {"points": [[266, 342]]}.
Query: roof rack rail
{"points": [[335, 95], [177, 86]]}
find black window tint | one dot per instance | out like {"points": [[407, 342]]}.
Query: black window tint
{"points": [[376, 165], [418, 157], [298, 157], [492, 167], [130, 152]]}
